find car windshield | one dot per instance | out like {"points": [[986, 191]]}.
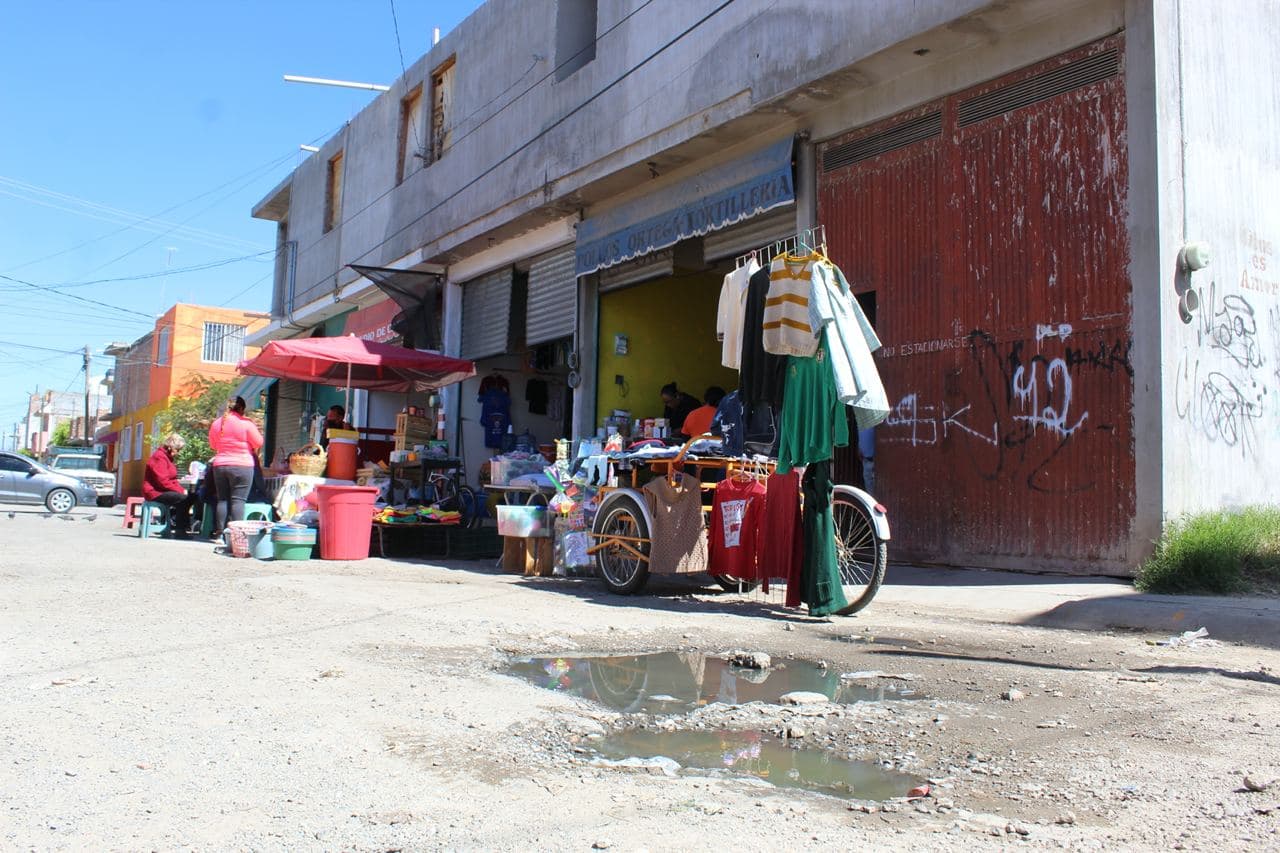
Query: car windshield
{"points": [[77, 463]]}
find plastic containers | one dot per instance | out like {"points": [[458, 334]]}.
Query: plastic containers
{"points": [[346, 521], [290, 542], [343, 453]]}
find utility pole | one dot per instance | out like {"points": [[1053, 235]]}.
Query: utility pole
{"points": [[88, 437], [16, 433]]}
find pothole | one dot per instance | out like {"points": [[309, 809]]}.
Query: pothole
{"points": [[755, 755], [677, 682]]}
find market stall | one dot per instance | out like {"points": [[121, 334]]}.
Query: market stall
{"points": [[343, 506]]}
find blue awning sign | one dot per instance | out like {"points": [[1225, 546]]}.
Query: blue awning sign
{"points": [[720, 197]]}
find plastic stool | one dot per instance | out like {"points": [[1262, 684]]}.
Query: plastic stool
{"points": [[251, 511], [258, 511], [149, 525], [132, 512]]}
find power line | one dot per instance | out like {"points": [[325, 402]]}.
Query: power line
{"points": [[345, 219], [159, 274], [523, 146], [83, 299]]}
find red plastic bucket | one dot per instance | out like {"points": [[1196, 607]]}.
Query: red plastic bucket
{"points": [[342, 459], [346, 521]]}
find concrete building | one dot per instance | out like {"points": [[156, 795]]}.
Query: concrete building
{"points": [[47, 410], [189, 344], [1008, 186]]}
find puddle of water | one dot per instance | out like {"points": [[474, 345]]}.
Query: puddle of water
{"points": [[754, 754], [675, 682]]}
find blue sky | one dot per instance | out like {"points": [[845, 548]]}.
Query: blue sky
{"points": [[169, 112]]}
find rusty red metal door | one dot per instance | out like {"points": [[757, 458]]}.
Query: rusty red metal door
{"points": [[991, 228]]}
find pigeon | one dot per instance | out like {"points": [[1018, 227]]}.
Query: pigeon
{"points": [[46, 515], [93, 517], [65, 517], [13, 515]]}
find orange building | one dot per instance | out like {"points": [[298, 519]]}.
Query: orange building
{"points": [[187, 342]]}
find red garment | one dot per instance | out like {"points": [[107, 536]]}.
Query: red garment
{"points": [[735, 529], [782, 552], [161, 476]]}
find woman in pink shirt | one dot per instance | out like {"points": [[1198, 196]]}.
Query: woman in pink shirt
{"points": [[235, 441]]}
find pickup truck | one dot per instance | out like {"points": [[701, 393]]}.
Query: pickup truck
{"points": [[86, 465]]}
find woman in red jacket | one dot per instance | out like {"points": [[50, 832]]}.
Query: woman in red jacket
{"points": [[160, 484], [235, 441]]}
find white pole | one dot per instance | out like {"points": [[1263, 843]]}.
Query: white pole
{"points": [[346, 84], [347, 408]]}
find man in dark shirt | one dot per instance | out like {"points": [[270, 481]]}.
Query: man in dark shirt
{"points": [[678, 405]]}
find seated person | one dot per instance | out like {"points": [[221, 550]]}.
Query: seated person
{"points": [[677, 405], [698, 422], [160, 484], [336, 418]]}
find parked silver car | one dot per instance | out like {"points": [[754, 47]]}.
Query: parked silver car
{"points": [[26, 481]]}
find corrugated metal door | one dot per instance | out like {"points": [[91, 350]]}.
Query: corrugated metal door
{"points": [[287, 426], [486, 315], [991, 228], [553, 298]]}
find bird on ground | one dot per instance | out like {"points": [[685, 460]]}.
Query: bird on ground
{"points": [[13, 515], [93, 517]]}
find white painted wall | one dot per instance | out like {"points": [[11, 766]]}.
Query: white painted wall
{"points": [[1222, 370]]}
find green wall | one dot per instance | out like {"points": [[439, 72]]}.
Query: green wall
{"points": [[671, 324]]}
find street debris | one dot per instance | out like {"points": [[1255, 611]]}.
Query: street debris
{"points": [[749, 660], [1013, 695], [1187, 640]]}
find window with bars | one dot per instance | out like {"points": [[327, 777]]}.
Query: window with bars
{"points": [[223, 343]]}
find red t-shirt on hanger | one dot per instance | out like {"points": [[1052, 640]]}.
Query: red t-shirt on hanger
{"points": [[735, 528]]}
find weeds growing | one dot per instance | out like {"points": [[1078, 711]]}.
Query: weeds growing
{"points": [[1230, 551]]}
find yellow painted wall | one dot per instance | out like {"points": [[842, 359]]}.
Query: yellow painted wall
{"points": [[671, 324], [129, 473]]}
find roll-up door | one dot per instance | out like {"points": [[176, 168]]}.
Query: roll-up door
{"points": [[751, 234], [653, 265], [486, 315], [553, 297], [286, 428]]}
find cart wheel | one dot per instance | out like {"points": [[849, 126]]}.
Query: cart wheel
{"points": [[623, 572], [860, 554], [731, 584]]}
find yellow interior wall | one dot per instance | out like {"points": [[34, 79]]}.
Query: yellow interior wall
{"points": [[671, 324]]}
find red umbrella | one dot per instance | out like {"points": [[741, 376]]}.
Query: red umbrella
{"points": [[353, 362]]}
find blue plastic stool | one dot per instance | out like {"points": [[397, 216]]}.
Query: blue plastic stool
{"points": [[261, 512], [148, 523], [251, 511]]}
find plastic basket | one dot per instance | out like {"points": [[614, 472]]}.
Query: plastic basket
{"points": [[309, 461], [238, 534]]}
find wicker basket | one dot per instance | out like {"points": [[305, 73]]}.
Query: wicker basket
{"points": [[238, 533], [308, 461]]}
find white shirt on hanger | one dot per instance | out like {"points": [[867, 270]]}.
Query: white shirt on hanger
{"points": [[731, 313]]}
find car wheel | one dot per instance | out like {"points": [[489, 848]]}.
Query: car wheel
{"points": [[106, 502], [60, 500]]}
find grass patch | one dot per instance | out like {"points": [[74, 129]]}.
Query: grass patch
{"points": [[1230, 551]]}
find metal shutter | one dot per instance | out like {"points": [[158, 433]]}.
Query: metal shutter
{"points": [[286, 428], [553, 298], [653, 265], [486, 315], [754, 233]]}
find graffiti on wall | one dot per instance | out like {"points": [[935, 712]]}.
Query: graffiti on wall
{"points": [[1014, 410], [1221, 385]]}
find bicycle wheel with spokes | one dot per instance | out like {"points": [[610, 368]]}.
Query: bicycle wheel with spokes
{"points": [[446, 494], [861, 554], [469, 506], [624, 561]]}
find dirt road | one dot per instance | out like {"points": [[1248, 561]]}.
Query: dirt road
{"points": [[154, 695]]}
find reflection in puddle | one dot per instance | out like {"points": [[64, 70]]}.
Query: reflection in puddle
{"points": [[673, 682], [754, 754]]}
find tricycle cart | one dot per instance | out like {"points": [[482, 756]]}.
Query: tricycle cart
{"points": [[623, 525]]}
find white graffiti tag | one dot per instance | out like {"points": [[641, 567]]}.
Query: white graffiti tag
{"points": [[1048, 383]]}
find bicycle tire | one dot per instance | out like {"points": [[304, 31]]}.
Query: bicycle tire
{"points": [[622, 572], [469, 506], [861, 555], [731, 584]]}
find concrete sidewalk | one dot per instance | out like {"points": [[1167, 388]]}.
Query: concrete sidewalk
{"points": [[1088, 603]]}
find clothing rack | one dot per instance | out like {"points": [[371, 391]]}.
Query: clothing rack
{"points": [[810, 238]]}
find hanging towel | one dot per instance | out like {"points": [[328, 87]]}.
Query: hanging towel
{"points": [[850, 341]]}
